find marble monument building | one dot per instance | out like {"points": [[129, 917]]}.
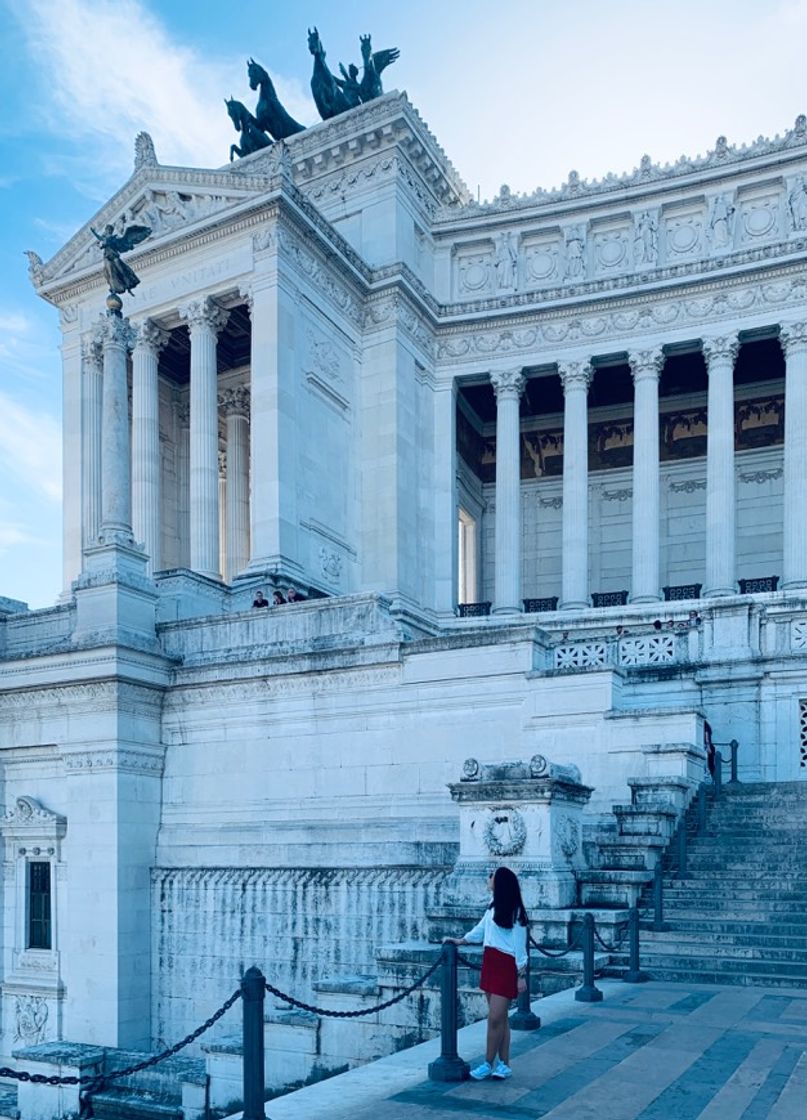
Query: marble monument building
{"points": [[537, 467]]}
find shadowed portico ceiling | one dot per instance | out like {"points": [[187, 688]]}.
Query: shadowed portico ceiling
{"points": [[232, 352], [758, 360]]}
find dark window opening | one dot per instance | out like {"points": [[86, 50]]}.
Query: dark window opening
{"points": [[39, 935]]}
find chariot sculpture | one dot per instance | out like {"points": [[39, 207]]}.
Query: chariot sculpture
{"points": [[332, 95]]}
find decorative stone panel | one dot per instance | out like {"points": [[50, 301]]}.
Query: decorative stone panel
{"points": [[654, 649], [803, 734], [582, 655]]}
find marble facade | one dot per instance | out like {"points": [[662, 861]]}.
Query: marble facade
{"points": [[335, 360]]}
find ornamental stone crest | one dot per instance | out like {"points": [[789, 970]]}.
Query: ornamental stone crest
{"points": [[30, 1019]]}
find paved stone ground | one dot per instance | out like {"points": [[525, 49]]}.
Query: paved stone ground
{"points": [[649, 1052]]}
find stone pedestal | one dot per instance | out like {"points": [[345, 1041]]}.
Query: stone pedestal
{"points": [[527, 816]]}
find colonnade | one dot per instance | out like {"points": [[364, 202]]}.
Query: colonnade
{"points": [[646, 364], [121, 463]]}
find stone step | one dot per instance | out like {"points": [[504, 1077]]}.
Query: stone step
{"points": [[708, 924], [721, 966], [122, 1104], [728, 904], [8, 1102], [658, 970], [650, 946], [676, 936], [719, 890]]}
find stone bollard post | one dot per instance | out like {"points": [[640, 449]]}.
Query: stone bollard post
{"points": [[449, 1066], [634, 975], [253, 995], [589, 992], [523, 1018]]}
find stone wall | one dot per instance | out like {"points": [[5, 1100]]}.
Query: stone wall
{"points": [[298, 925]]}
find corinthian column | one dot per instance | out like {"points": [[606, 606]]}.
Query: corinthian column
{"points": [[794, 563], [205, 318], [146, 508], [575, 378], [646, 368], [508, 386], [91, 396], [235, 403], [720, 354], [116, 496]]}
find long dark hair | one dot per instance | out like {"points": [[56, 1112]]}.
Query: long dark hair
{"points": [[507, 905]]}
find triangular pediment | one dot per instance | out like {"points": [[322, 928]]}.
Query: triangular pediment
{"points": [[169, 200]]}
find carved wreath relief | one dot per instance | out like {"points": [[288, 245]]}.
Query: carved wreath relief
{"points": [[505, 832]]}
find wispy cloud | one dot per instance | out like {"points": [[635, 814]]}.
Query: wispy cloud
{"points": [[12, 534], [115, 70], [31, 448]]}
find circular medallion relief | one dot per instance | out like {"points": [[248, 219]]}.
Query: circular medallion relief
{"points": [[474, 276], [611, 252], [683, 239], [505, 832], [541, 264], [758, 222]]}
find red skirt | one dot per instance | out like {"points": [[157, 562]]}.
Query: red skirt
{"points": [[499, 974]]}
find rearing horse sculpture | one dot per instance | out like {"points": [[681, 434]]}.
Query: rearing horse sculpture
{"points": [[269, 113], [329, 98], [253, 138]]}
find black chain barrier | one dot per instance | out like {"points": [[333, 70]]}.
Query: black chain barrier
{"points": [[97, 1084], [468, 964], [331, 1014], [555, 954], [36, 1078], [608, 948]]}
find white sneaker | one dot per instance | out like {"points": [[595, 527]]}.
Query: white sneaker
{"points": [[483, 1072], [502, 1071]]}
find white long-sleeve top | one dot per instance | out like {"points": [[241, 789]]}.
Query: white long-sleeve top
{"points": [[512, 941]]}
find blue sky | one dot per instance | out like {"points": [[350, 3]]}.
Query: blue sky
{"points": [[519, 92]]}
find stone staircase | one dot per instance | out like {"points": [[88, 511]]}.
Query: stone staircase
{"points": [[163, 1092], [740, 917]]}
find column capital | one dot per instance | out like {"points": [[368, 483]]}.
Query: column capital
{"points": [[112, 330], [646, 365], [205, 315], [247, 294], [575, 375], [91, 355], [507, 382], [719, 348], [235, 401], [149, 336], [793, 337]]}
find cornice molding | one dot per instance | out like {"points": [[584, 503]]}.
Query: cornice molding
{"points": [[723, 158]]}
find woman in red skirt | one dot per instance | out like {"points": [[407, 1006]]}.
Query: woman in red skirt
{"points": [[503, 932]]}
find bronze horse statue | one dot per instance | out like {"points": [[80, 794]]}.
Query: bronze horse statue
{"points": [[370, 86], [253, 138], [269, 113], [329, 98]]}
